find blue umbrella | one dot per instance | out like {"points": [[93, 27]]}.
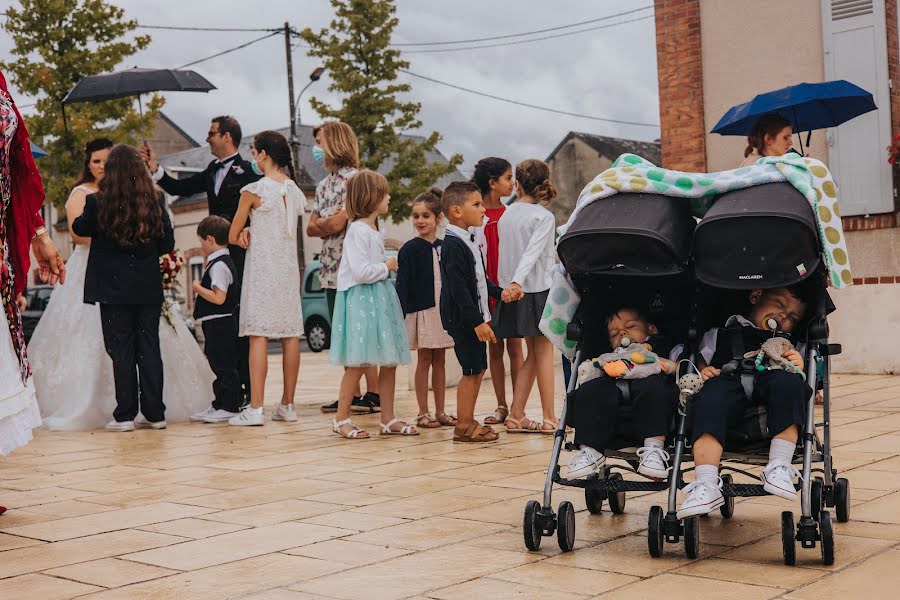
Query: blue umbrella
{"points": [[808, 106], [37, 151]]}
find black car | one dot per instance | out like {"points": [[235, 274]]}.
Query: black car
{"points": [[37, 297]]}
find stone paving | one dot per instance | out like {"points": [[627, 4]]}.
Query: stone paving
{"points": [[292, 512]]}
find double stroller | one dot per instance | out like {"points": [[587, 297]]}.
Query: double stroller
{"points": [[689, 277]]}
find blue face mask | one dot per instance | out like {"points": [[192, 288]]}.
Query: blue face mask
{"points": [[255, 167], [318, 154]]}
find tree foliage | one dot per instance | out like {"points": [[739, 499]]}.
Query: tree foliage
{"points": [[355, 50], [56, 44]]}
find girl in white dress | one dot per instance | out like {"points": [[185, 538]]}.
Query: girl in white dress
{"points": [[270, 293], [67, 345]]}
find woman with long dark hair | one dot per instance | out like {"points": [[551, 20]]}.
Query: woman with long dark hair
{"points": [[129, 230]]}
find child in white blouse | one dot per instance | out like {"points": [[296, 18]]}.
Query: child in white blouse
{"points": [[367, 326], [527, 234]]}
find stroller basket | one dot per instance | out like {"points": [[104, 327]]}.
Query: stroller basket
{"points": [[629, 234], [759, 237]]}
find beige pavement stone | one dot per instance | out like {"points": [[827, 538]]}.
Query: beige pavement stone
{"points": [[110, 572], [679, 586], [274, 512], [44, 587], [230, 547], [411, 486], [749, 572], [496, 589], [19, 499], [567, 579], [150, 495], [349, 552], [193, 528], [420, 507], [355, 520], [68, 508], [847, 549], [427, 533], [880, 510], [280, 594], [877, 577], [11, 542], [262, 493]]}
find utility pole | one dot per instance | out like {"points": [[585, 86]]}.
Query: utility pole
{"points": [[295, 145]]}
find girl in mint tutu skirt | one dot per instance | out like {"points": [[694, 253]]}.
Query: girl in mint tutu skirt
{"points": [[367, 327]]}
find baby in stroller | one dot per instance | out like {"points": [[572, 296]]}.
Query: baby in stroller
{"points": [[598, 404], [727, 393]]}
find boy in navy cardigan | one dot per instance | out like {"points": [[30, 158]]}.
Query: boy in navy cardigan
{"points": [[464, 303], [218, 296]]}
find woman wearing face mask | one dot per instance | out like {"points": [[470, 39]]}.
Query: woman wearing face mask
{"points": [[67, 345], [771, 136]]}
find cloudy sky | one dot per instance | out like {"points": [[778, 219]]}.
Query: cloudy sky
{"points": [[609, 72]]}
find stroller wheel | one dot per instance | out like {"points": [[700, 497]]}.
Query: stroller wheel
{"points": [[727, 509], [616, 499], [655, 531], [692, 537], [788, 537], [816, 501], [842, 500], [827, 534], [565, 526], [594, 499], [530, 526]]}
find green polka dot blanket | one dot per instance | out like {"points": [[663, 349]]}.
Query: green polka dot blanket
{"points": [[631, 173]]}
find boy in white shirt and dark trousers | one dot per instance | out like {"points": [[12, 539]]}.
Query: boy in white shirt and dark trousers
{"points": [[218, 296]]}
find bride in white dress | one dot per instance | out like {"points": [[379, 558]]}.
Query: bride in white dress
{"points": [[73, 374]]}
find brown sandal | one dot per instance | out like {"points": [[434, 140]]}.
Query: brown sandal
{"points": [[499, 417], [476, 433], [447, 420], [426, 421]]}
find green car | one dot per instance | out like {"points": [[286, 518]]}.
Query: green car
{"points": [[316, 320]]}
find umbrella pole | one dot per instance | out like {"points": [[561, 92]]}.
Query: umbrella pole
{"points": [[141, 111]]}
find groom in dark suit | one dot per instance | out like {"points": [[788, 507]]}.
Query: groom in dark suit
{"points": [[222, 181]]}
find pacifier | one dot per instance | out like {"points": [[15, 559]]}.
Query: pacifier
{"points": [[770, 324], [626, 342]]}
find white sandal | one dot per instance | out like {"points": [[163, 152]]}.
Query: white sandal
{"points": [[405, 430], [353, 434]]}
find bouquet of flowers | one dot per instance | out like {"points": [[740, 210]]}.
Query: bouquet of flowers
{"points": [[894, 150], [170, 266]]}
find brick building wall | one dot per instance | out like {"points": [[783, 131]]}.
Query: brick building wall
{"points": [[680, 72]]}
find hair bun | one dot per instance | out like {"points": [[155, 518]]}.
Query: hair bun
{"points": [[436, 191]]}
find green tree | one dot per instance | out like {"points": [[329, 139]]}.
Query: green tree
{"points": [[355, 48], [57, 43]]}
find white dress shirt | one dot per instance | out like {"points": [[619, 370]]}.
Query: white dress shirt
{"points": [[481, 284], [222, 167], [527, 254], [221, 278], [363, 257]]}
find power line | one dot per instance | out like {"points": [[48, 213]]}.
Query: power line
{"points": [[537, 39], [525, 104], [526, 33], [181, 28], [223, 52]]}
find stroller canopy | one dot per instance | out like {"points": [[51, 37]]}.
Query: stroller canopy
{"points": [[757, 237], [629, 234]]}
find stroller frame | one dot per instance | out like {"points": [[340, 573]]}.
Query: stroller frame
{"points": [[816, 493]]}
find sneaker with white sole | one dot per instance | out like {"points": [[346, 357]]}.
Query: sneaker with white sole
{"points": [[654, 462], [285, 412], [248, 416], [703, 498], [219, 416], [201, 416], [116, 426], [141, 422], [586, 463], [778, 480]]}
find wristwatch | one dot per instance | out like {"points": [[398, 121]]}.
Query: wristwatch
{"points": [[38, 232]]}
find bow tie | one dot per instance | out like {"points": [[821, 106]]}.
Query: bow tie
{"points": [[225, 164], [471, 237]]}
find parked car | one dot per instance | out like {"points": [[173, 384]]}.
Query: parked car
{"points": [[37, 297], [316, 320]]}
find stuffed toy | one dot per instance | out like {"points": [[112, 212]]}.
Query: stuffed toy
{"points": [[769, 356], [630, 360]]}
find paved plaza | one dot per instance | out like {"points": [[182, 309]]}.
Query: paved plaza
{"points": [[292, 512]]}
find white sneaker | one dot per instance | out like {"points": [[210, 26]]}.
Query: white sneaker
{"points": [[141, 422], [285, 412], [248, 416], [219, 416], [778, 480], [203, 414], [703, 498], [120, 426], [586, 463], [654, 462]]}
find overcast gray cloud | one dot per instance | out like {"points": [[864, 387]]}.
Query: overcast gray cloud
{"points": [[606, 73]]}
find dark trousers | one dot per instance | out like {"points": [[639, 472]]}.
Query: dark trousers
{"points": [[131, 337], [239, 256], [221, 349], [601, 418], [722, 403]]}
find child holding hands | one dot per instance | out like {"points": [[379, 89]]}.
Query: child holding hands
{"points": [[419, 288], [368, 322]]}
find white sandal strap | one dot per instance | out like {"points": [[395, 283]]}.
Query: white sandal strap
{"points": [[336, 427], [386, 427]]}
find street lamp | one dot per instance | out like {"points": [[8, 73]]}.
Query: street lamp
{"points": [[314, 76]]}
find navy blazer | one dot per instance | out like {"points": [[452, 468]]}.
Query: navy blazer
{"points": [[460, 307], [122, 274]]}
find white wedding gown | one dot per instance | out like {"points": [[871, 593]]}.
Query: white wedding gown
{"points": [[73, 375]]}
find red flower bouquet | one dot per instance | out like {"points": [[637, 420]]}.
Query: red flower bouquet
{"points": [[170, 266]]}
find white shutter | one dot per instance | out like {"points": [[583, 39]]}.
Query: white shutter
{"points": [[855, 39]]}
